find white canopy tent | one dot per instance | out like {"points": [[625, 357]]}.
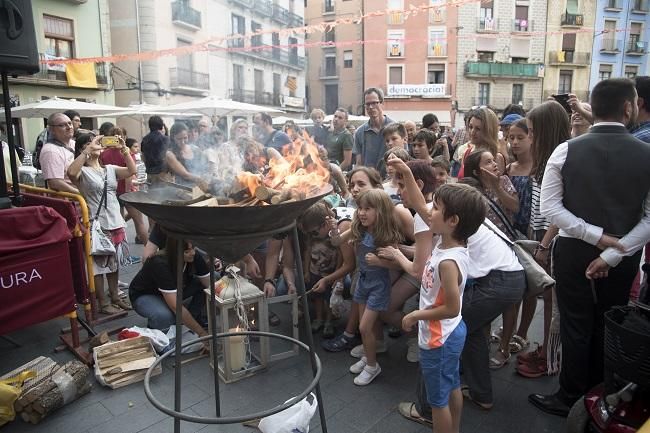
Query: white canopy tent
{"points": [[213, 106], [48, 107]]}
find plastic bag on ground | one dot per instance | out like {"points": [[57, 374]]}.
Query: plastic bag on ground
{"points": [[158, 338], [188, 335], [294, 419]]}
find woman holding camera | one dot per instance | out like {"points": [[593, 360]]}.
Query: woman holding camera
{"points": [[95, 180]]}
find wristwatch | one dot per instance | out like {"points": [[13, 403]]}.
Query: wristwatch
{"points": [[271, 281]]}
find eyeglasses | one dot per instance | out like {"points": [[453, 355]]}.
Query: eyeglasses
{"points": [[64, 125], [372, 104]]}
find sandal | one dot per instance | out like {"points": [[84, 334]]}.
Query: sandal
{"points": [[464, 389], [533, 370], [123, 304], [408, 411], [532, 356], [518, 343], [495, 337], [500, 358], [110, 309]]}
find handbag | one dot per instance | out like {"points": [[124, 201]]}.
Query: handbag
{"points": [[100, 244], [537, 279]]}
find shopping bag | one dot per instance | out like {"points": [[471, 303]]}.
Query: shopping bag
{"points": [[100, 244], [294, 419], [10, 390]]}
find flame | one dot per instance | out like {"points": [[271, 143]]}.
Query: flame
{"points": [[249, 180]]}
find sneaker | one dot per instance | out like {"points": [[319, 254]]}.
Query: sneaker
{"points": [[316, 325], [122, 285], [532, 356], [367, 375], [394, 332], [533, 370], [328, 330], [340, 343], [134, 260], [358, 351], [358, 366], [413, 350]]}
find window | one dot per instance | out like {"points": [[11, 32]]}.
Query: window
{"points": [[437, 15], [604, 72], [395, 43], [330, 36], [396, 7], [258, 75], [609, 42], [347, 59], [237, 77], [486, 17], [568, 46], [293, 51], [256, 40], [331, 97], [436, 73], [518, 94], [330, 65], [328, 6], [184, 63], [521, 19], [277, 80], [395, 74], [238, 28], [437, 42], [485, 56], [59, 36], [566, 77], [631, 71], [519, 60], [635, 45], [483, 93], [275, 40]]}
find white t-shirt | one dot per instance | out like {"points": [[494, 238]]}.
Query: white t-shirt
{"points": [[433, 333], [488, 252], [419, 225]]}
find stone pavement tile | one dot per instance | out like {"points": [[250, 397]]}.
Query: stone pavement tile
{"points": [[131, 421], [337, 424], [394, 422], [66, 420], [332, 405], [167, 425]]}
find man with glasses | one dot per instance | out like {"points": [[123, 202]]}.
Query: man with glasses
{"points": [[339, 140], [369, 145], [57, 154]]}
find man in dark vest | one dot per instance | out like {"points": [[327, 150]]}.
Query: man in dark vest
{"points": [[595, 190]]}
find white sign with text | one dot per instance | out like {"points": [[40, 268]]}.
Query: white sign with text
{"points": [[431, 90]]}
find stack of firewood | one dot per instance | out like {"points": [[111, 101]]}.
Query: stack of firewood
{"points": [[124, 362], [53, 387]]}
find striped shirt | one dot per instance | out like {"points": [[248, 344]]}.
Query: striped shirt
{"points": [[433, 333], [642, 132], [537, 220]]}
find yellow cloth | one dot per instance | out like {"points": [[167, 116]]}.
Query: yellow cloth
{"points": [[561, 56], [81, 75], [10, 390]]}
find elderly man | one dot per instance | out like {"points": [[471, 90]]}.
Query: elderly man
{"points": [[58, 153], [411, 130], [369, 145], [339, 140], [268, 135]]}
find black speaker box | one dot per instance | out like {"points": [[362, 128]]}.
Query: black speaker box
{"points": [[18, 50]]}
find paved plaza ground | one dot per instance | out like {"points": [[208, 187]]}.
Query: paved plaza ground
{"points": [[348, 408]]}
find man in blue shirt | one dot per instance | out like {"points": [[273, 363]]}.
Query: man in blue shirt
{"points": [[369, 145], [642, 130], [271, 136]]}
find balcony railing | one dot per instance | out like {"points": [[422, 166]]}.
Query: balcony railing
{"points": [[295, 20], [263, 7], [572, 20], [569, 57], [437, 49], [522, 26], [637, 47], [283, 56], [280, 14], [487, 24], [328, 6], [179, 77], [59, 78], [640, 6], [610, 45], [613, 4], [329, 72], [248, 4], [255, 97], [501, 70], [183, 14]]}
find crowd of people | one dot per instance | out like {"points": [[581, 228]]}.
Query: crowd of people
{"points": [[416, 234]]}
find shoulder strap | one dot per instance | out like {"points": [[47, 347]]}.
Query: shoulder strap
{"points": [[502, 216], [507, 241], [103, 200]]}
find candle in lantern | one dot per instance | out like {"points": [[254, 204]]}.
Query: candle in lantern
{"points": [[237, 350]]}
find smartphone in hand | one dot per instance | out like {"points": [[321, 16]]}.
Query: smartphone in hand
{"points": [[563, 99], [110, 141]]}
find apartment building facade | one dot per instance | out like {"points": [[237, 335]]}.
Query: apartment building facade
{"points": [[620, 47], [334, 73], [501, 53], [265, 69], [64, 29], [569, 43], [416, 67]]}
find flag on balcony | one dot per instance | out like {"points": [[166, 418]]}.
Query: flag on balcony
{"points": [[291, 84], [81, 75], [561, 56]]}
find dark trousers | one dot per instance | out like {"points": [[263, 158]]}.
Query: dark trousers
{"points": [[582, 321]]}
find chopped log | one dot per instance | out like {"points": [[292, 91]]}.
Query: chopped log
{"points": [[98, 340], [69, 384], [197, 192], [284, 195], [205, 203], [27, 397], [130, 344], [265, 193]]}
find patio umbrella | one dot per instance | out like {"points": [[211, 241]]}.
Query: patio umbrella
{"points": [[140, 111], [281, 120], [57, 105], [357, 120], [213, 106]]}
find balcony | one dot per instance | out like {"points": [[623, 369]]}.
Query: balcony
{"points": [[188, 79], [263, 8], [613, 5], [501, 103], [328, 7], [295, 20], [639, 6], [438, 16], [569, 58], [255, 97], [246, 4], [502, 70], [437, 49], [572, 20], [328, 73], [487, 25], [611, 46], [280, 56], [52, 77], [185, 16], [280, 14], [636, 48], [522, 26]]}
